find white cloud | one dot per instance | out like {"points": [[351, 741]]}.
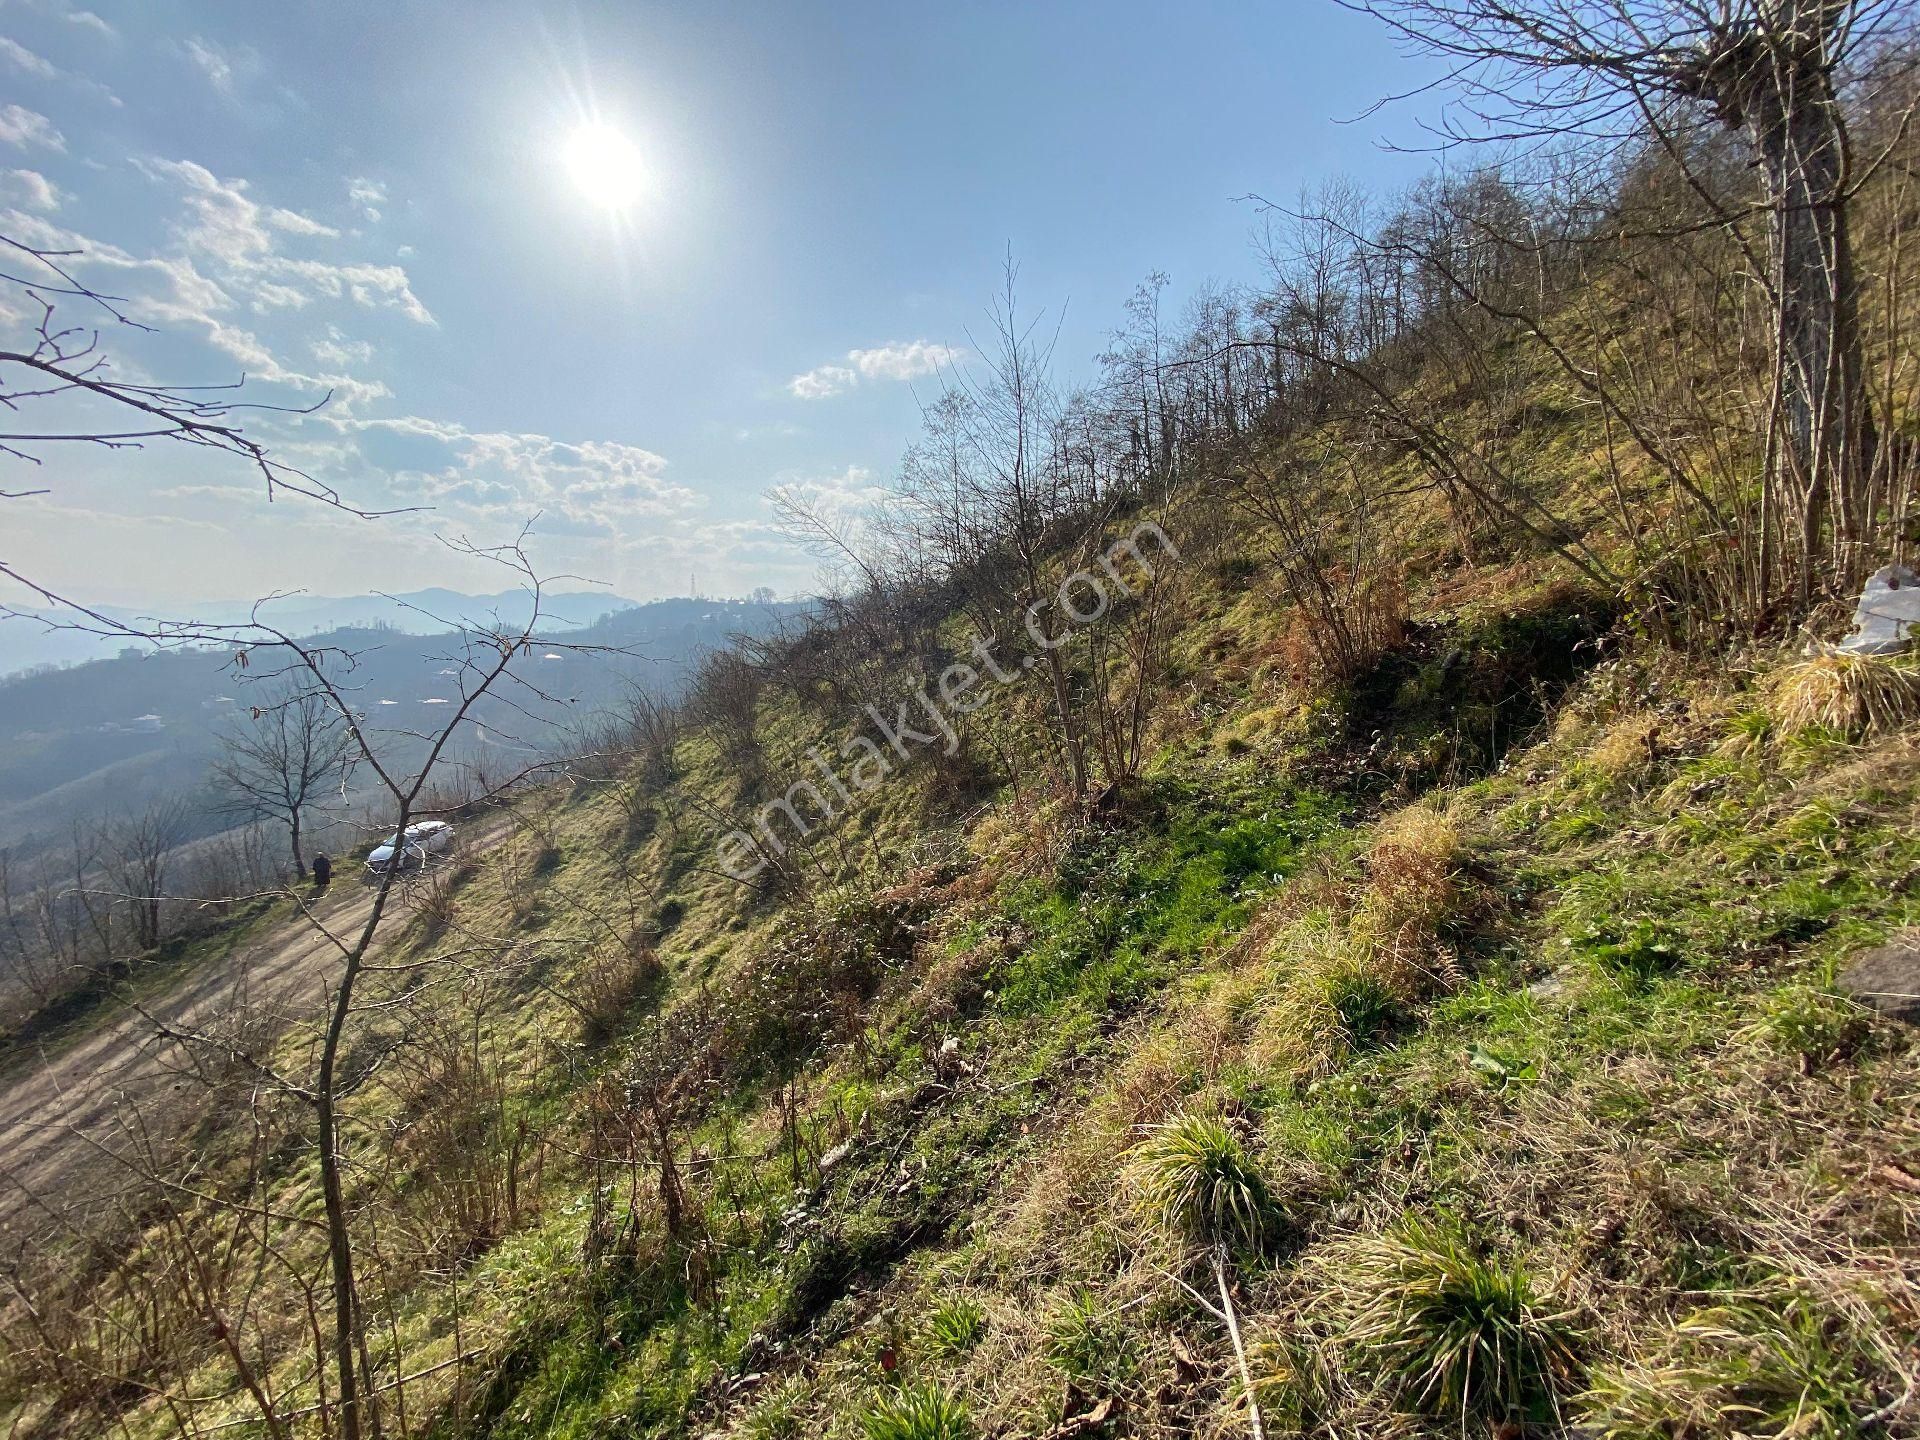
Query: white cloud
{"points": [[31, 189], [372, 286], [172, 292], [369, 195], [87, 20], [847, 503], [213, 62], [25, 60], [238, 235], [269, 296], [29, 62], [226, 221], [27, 128], [821, 382], [904, 360], [294, 223], [262, 364], [842, 493], [337, 349], [592, 488], [164, 290]]}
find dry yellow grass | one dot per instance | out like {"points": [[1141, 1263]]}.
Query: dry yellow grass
{"points": [[1412, 869], [1303, 1030], [1628, 749], [1414, 888], [1188, 1055], [1853, 695], [1337, 983]]}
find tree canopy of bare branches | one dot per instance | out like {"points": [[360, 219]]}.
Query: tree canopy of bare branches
{"points": [[293, 751], [1615, 73]]}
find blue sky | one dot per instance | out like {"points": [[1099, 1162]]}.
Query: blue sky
{"points": [[370, 198]]}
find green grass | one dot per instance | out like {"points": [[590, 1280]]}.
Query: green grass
{"points": [[1452, 1332], [1768, 1363], [1697, 918], [956, 1327], [922, 1412], [1088, 1341], [1195, 1178], [1129, 907], [1812, 1021]]}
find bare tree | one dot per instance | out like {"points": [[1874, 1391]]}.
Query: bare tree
{"points": [[1000, 496], [63, 367], [406, 768], [294, 750], [1770, 71], [138, 853]]}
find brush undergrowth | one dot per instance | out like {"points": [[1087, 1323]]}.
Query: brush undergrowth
{"points": [[1584, 1001]]}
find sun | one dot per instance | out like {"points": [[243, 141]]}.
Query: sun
{"points": [[605, 165]]}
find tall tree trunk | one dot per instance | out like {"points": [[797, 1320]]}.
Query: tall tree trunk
{"points": [[346, 1300], [293, 826], [1069, 731], [1778, 86]]}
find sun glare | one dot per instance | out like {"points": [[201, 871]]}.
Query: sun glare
{"points": [[605, 165]]}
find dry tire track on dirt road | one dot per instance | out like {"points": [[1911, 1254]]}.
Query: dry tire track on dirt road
{"points": [[60, 1110]]}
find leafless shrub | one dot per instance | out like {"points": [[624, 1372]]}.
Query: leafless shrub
{"points": [[610, 983], [466, 1149], [1329, 543], [437, 904], [725, 695]]}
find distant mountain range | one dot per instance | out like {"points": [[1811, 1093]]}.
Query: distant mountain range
{"points": [[89, 741], [26, 642]]}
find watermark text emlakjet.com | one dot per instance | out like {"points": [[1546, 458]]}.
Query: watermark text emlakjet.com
{"points": [[867, 758]]}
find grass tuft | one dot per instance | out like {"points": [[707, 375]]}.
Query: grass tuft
{"points": [[1414, 893], [956, 1327], [1087, 1342], [921, 1412], [1814, 1022], [1338, 996], [1454, 1333], [1770, 1363], [1850, 695], [1195, 1177], [611, 983]]}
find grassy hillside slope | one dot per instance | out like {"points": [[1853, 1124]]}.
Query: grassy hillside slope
{"points": [[1464, 1037]]}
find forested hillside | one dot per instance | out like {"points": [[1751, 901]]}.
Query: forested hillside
{"points": [[93, 749], [1313, 884]]}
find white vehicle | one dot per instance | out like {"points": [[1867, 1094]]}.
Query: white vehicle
{"points": [[413, 847]]}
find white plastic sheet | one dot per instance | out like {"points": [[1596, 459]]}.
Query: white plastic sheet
{"points": [[1888, 617]]}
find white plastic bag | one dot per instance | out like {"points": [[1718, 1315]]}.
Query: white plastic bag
{"points": [[1888, 614]]}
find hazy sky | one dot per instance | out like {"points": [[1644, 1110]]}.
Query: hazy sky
{"points": [[375, 199]]}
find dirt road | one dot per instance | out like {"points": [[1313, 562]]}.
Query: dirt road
{"points": [[63, 1113]]}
